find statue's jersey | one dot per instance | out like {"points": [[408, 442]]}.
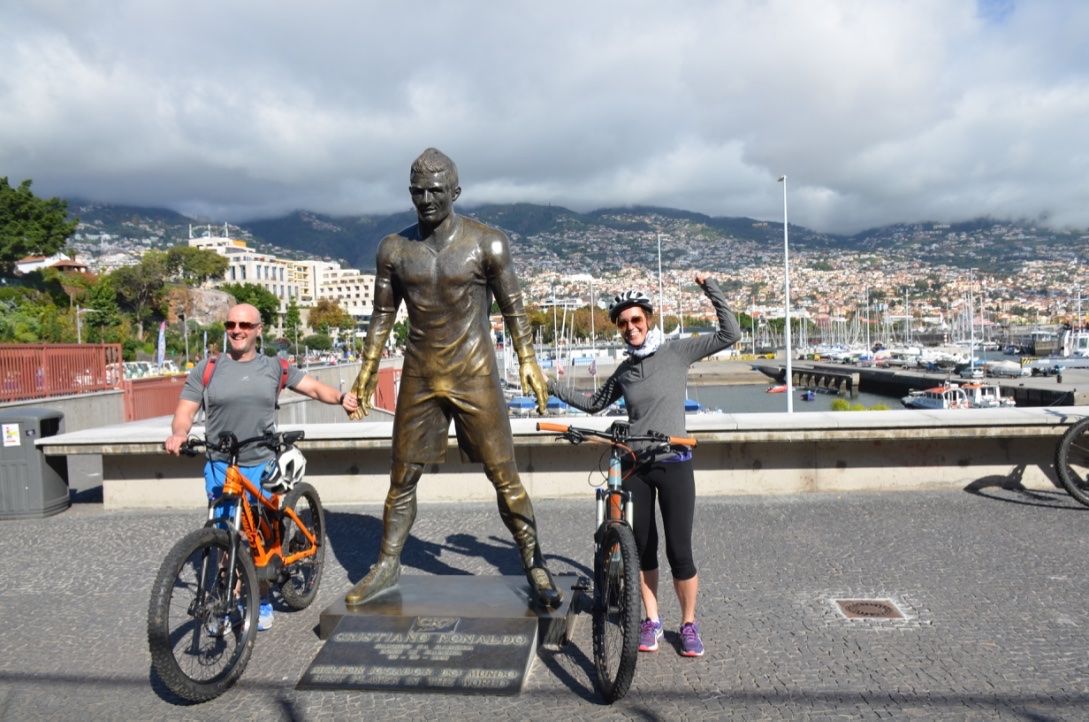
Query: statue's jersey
{"points": [[447, 292]]}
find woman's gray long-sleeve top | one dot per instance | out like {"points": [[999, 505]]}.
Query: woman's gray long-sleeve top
{"points": [[654, 387]]}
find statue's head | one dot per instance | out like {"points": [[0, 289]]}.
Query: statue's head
{"points": [[433, 185]]}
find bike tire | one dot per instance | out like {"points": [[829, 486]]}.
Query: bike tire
{"points": [[300, 585], [1072, 460], [616, 611], [200, 647]]}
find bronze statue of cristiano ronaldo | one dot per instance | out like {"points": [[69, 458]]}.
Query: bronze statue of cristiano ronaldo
{"points": [[447, 268]]}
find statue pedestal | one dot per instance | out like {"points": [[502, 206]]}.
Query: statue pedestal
{"points": [[441, 634]]}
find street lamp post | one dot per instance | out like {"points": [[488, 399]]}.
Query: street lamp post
{"points": [[79, 326], [786, 300], [593, 339], [185, 332], [661, 297]]}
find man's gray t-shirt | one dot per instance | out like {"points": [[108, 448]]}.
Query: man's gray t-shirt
{"points": [[241, 399]]}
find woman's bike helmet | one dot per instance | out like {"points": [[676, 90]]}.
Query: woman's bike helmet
{"points": [[284, 471], [628, 299]]}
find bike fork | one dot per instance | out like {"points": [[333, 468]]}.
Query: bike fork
{"points": [[613, 503]]}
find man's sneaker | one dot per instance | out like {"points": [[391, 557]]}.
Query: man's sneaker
{"points": [[649, 634], [691, 644], [264, 616], [221, 626]]}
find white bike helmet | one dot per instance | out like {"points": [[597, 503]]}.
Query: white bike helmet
{"points": [[284, 471], [626, 300]]}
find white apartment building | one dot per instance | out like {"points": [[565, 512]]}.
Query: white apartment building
{"points": [[304, 281]]}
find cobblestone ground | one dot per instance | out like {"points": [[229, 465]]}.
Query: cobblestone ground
{"points": [[993, 585]]}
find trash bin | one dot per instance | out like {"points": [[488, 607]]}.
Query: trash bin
{"points": [[31, 484]]}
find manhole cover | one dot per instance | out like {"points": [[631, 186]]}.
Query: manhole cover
{"points": [[869, 609]]}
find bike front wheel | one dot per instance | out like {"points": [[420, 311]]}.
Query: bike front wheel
{"points": [[616, 611], [303, 577], [1072, 460], [199, 633]]}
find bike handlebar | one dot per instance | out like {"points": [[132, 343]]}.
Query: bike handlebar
{"points": [[614, 434], [229, 444]]}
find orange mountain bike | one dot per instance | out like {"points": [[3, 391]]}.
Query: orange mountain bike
{"points": [[617, 606], [202, 618]]}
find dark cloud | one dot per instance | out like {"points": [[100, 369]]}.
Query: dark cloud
{"points": [[878, 111]]}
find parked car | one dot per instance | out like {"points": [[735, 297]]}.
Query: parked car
{"points": [[971, 372]]}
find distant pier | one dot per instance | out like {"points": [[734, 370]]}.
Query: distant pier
{"points": [[1025, 390]]}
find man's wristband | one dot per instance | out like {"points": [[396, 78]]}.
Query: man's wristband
{"points": [[340, 401]]}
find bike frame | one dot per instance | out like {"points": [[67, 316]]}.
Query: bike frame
{"points": [[614, 504], [257, 532], [237, 490]]}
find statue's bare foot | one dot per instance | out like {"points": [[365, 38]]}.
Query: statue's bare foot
{"points": [[382, 577], [540, 582]]}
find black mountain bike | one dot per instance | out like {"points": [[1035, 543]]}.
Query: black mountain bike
{"points": [[617, 605], [1072, 460]]}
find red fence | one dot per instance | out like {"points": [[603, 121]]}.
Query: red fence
{"points": [[34, 371], [155, 396], [389, 383]]}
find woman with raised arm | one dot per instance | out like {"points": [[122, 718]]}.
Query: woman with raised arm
{"points": [[652, 381]]}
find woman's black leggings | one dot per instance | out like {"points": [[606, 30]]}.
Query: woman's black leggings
{"points": [[675, 487]]}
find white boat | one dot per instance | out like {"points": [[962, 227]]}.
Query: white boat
{"points": [[972, 395], [987, 396], [947, 396], [1011, 369], [1073, 352]]}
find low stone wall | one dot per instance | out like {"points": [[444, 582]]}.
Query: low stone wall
{"points": [[83, 411], [737, 454]]}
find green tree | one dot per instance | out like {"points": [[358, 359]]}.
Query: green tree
{"points": [[20, 320], [101, 319], [327, 314], [141, 287], [30, 225], [194, 266], [400, 333], [265, 300], [292, 321], [318, 342]]}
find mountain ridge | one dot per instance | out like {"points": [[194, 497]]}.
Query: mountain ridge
{"points": [[550, 235]]}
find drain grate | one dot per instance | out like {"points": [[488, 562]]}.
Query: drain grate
{"points": [[869, 609]]}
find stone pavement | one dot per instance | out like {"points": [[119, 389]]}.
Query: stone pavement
{"points": [[993, 584]]}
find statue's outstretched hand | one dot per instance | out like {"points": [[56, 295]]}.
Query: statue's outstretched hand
{"points": [[365, 384], [534, 381]]}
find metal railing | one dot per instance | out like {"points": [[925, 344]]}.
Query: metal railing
{"points": [[34, 371], [154, 396]]}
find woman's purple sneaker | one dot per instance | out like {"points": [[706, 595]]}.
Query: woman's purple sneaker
{"points": [[649, 634], [691, 644]]}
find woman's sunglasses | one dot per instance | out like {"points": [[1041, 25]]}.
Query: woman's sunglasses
{"points": [[244, 325]]}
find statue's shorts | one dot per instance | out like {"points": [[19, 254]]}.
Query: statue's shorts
{"points": [[425, 407]]}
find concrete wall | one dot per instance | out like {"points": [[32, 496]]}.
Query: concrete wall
{"points": [[85, 411], [737, 454]]}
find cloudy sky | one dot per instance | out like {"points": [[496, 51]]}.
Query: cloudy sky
{"points": [[878, 111]]}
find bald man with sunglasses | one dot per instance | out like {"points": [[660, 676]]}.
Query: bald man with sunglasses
{"points": [[241, 395]]}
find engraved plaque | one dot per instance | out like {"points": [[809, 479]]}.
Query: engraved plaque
{"points": [[425, 654]]}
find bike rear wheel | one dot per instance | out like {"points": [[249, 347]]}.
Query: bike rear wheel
{"points": [[303, 577], [200, 641], [616, 611], [1072, 460]]}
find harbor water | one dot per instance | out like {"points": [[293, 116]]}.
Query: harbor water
{"points": [[753, 398]]}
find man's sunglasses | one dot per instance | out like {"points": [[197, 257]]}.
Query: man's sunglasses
{"points": [[244, 325]]}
